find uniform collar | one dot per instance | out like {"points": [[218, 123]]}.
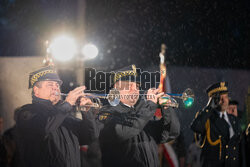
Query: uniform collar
{"points": [[134, 106], [41, 101]]}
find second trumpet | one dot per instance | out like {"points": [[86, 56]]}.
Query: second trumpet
{"points": [[187, 98]]}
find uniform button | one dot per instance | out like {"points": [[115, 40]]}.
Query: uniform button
{"points": [[226, 146], [234, 158], [234, 148], [226, 156], [206, 110]]}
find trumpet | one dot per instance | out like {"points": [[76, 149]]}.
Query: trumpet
{"points": [[113, 98], [187, 98]]}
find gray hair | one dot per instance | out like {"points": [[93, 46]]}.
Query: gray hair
{"points": [[37, 84]]}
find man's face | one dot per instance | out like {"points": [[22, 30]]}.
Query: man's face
{"points": [[232, 109], [224, 101], [129, 92], [48, 90]]}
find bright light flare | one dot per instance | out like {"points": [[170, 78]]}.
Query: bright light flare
{"points": [[188, 102], [89, 51], [63, 48]]}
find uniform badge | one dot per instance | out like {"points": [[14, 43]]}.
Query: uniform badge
{"points": [[103, 117]]}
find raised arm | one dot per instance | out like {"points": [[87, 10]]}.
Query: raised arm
{"points": [[201, 117], [198, 124], [165, 129], [123, 126], [86, 129]]}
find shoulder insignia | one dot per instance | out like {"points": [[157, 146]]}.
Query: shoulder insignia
{"points": [[103, 116]]}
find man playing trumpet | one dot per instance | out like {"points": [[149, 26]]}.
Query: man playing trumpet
{"points": [[130, 133], [47, 134]]}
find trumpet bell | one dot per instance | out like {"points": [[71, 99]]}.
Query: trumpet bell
{"points": [[113, 97], [188, 97], [188, 102], [96, 103], [169, 101]]}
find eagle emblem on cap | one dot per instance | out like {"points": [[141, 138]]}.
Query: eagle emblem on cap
{"points": [[222, 84]]}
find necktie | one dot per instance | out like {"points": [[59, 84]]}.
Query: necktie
{"points": [[223, 116], [231, 132]]}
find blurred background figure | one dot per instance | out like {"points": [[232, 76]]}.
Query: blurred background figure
{"points": [[247, 138], [10, 144], [91, 155], [241, 115], [193, 155], [233, 107], [2, 148], [1, 125], [245, 147], [180, 149]]}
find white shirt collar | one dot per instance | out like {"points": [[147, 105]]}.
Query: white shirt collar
{"points": [[128, 105], [223, 113], [231, 132]]}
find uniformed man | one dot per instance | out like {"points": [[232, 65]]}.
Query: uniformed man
{"points": [[130, 131], [220, 132], [47, 134]]}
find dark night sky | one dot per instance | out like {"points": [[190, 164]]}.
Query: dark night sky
{"points": [[197, 33]]}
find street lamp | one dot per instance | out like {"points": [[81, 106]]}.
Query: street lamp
{"points": [[62, 48], [89, 51]]}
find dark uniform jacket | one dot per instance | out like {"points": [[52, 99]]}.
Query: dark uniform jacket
{"points": [[210, 155], [48, 136], [130, 135], [9, 139], [3, 153], [245, 147]]}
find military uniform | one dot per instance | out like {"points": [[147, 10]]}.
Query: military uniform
{"points": [[228, 154], [129, 136], [48, 135], [218, 148]]}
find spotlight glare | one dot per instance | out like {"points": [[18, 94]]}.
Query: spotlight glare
{"points": [[63, 48], [89, 51]]}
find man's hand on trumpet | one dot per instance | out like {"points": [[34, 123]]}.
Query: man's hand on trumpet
{"points": [[85, 103], [159, 98], [75, 94], [165, 101], [78, 97], [154, 95]]}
